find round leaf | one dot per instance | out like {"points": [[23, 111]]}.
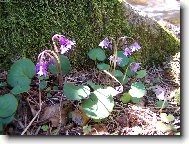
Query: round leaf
{"points": [[123, 80], [130, 73], [42, 84], [49, 95], [103, 66], [93, 86], [141, 74], [55, 87], [2, 84], [8, 105], [99, 105], [1, 127], [65, 66], [76, 92], [7, 120], [137, 90], [21, 72], [45, 128], [167, 118], [20, 89], [97, 54], [124, 60], [126, 98], [163, 127], [118, 73], [135, 100], [160, 104]]}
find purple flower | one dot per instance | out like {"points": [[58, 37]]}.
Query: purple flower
{"points": [[105, 43], [65, 44], [118, 60], [52, 61], [41, 68], [127, 51], [135, 47], [160, 92], [134, 66]]}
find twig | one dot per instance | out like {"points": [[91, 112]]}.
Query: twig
{"points": [[60, 118], [37, 131], [35, 115]]}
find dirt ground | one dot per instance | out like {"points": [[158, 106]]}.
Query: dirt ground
{"points": [[141, 118]]}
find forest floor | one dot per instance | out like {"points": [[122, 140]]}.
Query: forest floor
{"points": [[139, 118]]}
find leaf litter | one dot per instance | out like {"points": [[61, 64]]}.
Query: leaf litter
{"points": [[142, 118]]}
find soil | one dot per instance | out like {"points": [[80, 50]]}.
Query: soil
{"points": [[141, 118]]}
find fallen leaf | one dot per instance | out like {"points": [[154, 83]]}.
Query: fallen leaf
{"points": [[52, 114], [99, 129], [33, 110], [79, 117]]}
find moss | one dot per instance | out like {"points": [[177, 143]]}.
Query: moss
{"points": [[27, 27]]}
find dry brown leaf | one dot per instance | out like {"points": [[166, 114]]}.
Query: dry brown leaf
{"points": [[52, 114], [79, 117], [32, 108], [99, 129]]}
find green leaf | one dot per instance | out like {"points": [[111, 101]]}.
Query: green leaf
{"points": [[42, 84], [55, 88], [45, 128], [76, 92], [163, 127], [20, 89], [126, 98], [65, 66], [2, 84], [125, 59], [7, 120], [49, 95], [87, 129], [130, 73], [137, 90], [43, 77], [21, 72], [135, 100], [93, 86], [97, 54], [48, 88], [103, 66], [118, 73], [99, 105], [141, 74], [167, 118], [120, 79], [109, 91], [8, 105], [160, 103], [1, 128]]}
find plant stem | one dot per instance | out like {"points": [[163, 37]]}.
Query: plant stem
{"points": [[162, 106], [59, 69], [124, 75]]}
